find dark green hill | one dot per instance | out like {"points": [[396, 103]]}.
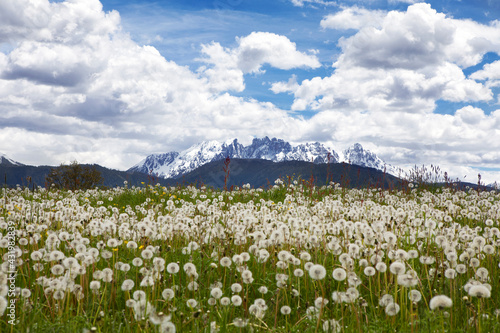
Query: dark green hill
{"points": [[27, 175], [262, 173], [256, 172]]}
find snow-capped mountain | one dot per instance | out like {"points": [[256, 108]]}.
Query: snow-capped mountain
{"points": [[7, 161], [175, 164], [357, 155], [278, 150]]}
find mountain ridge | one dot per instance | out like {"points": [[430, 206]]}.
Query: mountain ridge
{"points": [[5, 160], [256, 172], [175, 164]]}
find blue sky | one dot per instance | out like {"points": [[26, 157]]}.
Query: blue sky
{"points": [[112, 81], [180, 27]]}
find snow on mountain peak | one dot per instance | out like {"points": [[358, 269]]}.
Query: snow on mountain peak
{"points": [[4, 159], [356, 154], [174, 164]]}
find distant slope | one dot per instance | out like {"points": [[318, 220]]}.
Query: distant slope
{"points": [[12, 175], [6, 161], [256, 172], [261, 173]]}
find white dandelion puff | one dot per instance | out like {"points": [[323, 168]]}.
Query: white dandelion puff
{"points": [[440, 302], [317, 272]]}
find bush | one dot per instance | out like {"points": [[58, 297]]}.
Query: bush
{"points": [[74, 176]]}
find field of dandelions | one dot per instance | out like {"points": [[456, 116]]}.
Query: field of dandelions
{"points": [[291, 258]]}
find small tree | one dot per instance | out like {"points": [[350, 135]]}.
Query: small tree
{"points": [[74, 177], [226, 169]]}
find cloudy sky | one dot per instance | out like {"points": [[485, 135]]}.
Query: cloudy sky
{"points": [[112, 81]]}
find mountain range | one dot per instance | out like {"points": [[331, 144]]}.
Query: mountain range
{"points": [[4, 160], [175, 164], [259, 164]]}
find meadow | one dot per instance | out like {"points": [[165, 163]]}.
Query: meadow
{"points": [[291, 258]]}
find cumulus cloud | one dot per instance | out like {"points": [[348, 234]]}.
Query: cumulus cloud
{"points": [[489, 72], [81, 88], [291, 85], [353, 18], [227, 66], [408, 63], [58, 43], [465, 139]]}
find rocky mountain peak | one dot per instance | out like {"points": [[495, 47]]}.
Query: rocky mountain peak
{"points": [[175, 164]]}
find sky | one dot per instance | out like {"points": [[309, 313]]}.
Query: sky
{"points": [[112, 81]]}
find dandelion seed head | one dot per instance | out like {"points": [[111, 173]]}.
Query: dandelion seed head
{"points": [[440, 302], [132, 245], [173, 268], [392, 309], [3, 305], [381, 267], [236, 300], [147, 254], [397, 268], [450, 273], [225, 261], [386, 300], [95, 285], [216, 293], [339, 274], [128, 285], [137, 262], [369, 271], [58, 295], [139, 295], [168, 294], [285, 310], [320, 302], [317, 272], [414, 295], [479, 291], [57, 269], [167, 327], [240, 323], [192, 303], [236, 287]]}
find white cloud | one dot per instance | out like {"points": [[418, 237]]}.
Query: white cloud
{"points": [[489, 72], [260, 48], [470, 115], [404, 1], [465, 139], [79, 87], [291, 85], [227, 66], [353, 18], [408, 63], [301, 3], [223, 74], [41, 20]]}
